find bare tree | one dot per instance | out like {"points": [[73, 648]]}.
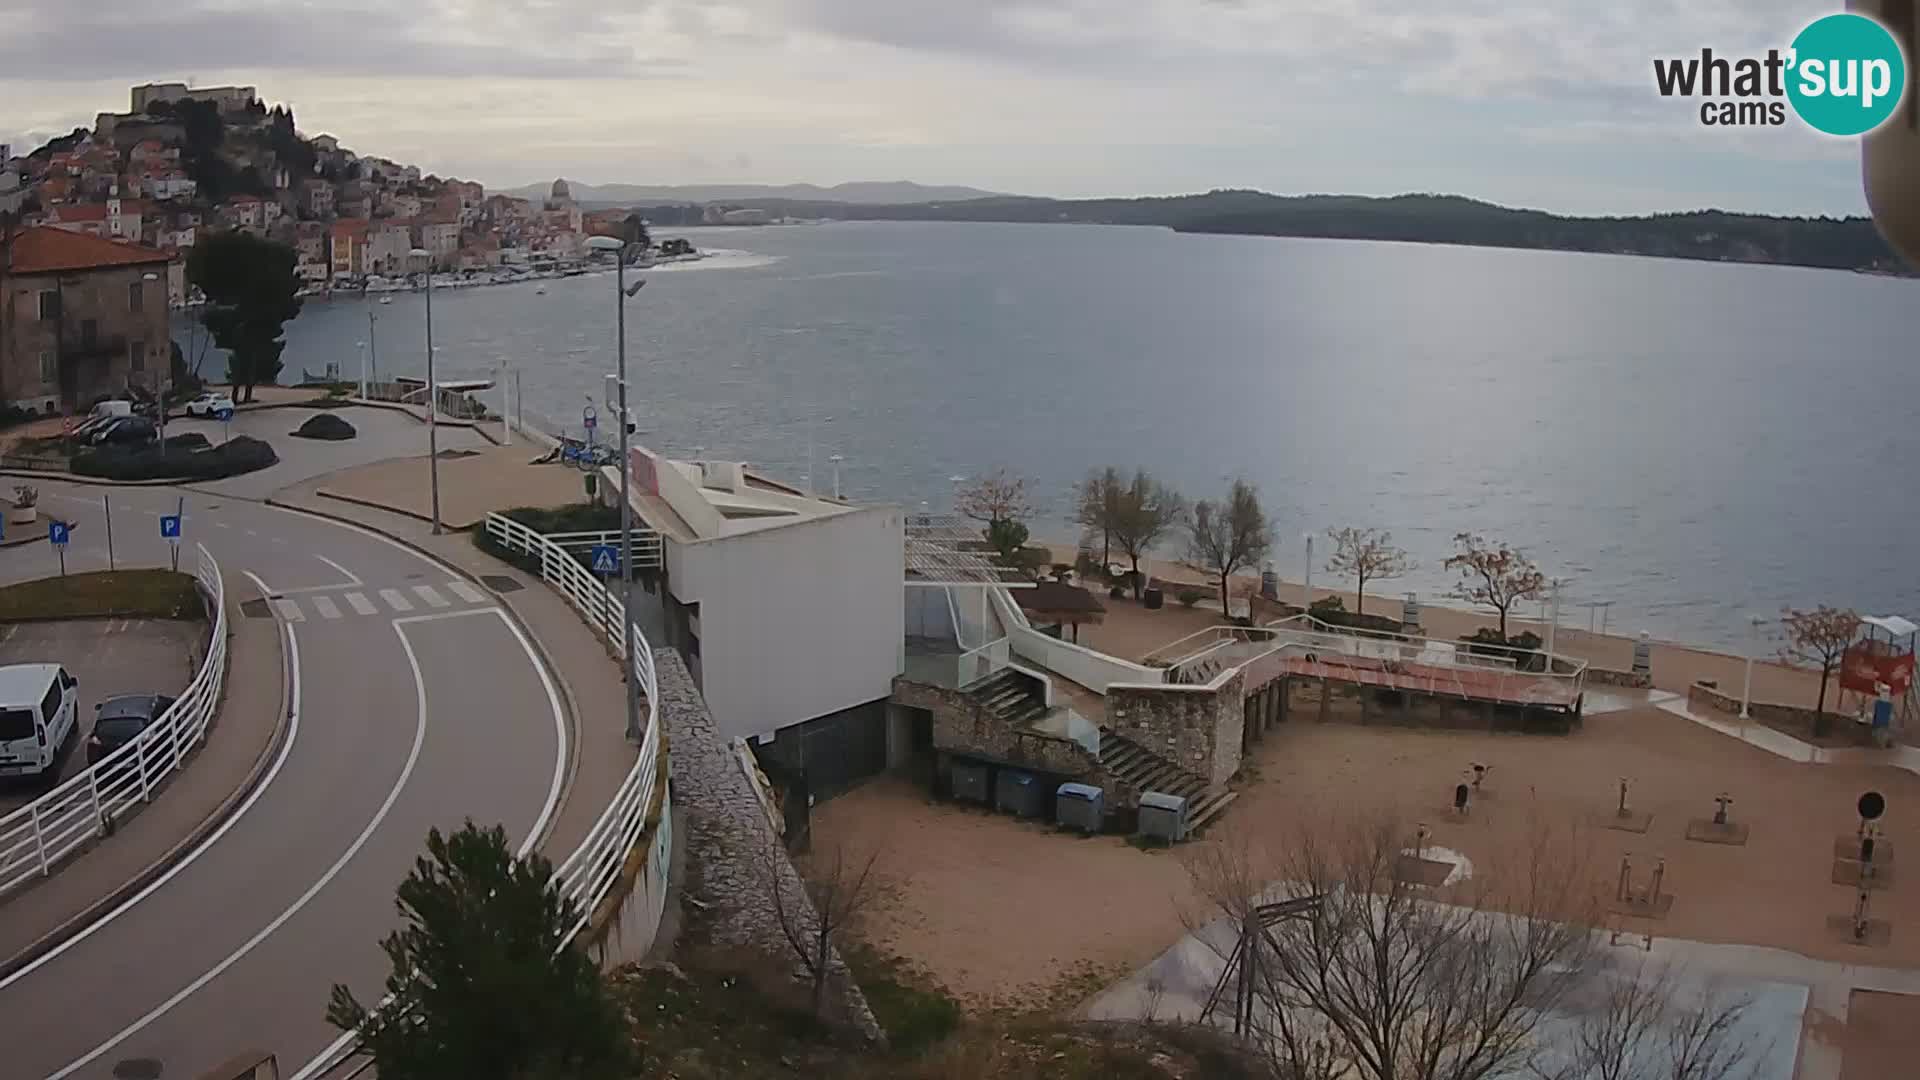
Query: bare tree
{"points": [[1645, 1022], [1144, 512], [1495, 575], [1819, 637], [1366, 555], [1384, 978], [1095, 501], [839, 889], [999, 496], [1228, 536]]}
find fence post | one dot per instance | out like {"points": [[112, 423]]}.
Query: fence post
{"points": [[139, 746], [173, 722], [39, 839], [99, 811]]}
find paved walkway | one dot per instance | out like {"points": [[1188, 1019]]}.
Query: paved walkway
{"points": [[499, 478], [589, 676], [239, 742]]}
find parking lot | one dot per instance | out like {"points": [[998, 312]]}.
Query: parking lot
{"points": [[107, 657]]}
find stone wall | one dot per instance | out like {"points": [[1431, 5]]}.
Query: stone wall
{"points": [[961, 725], [734, 860], [1200, 730], [1598, 676], [1790, 718]]}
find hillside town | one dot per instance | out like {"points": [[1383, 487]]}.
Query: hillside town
{"points": [[185, 161]]}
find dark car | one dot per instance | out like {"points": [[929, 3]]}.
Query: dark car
{"points": [[120, 719], [126, 431]]}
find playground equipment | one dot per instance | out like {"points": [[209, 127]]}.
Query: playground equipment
{"points": [[1624, 817], [1245, 962], [1877, 669], [1651, 903], [1720, 830]]}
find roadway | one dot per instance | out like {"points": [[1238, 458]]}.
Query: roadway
{"points": [[415, 703]]}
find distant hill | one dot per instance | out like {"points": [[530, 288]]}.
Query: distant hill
{"points": [[870, 192], [1834, 243]]}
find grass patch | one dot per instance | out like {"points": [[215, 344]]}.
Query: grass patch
{"points": [[704, 1024], [913, 1011], [146, 594]]}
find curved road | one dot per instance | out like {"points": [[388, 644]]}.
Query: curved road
{"points": [[416, 704]]}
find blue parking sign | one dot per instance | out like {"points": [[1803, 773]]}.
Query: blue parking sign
{"points": [[223, 415], [57, 533], [170, 527], [605, 559]]}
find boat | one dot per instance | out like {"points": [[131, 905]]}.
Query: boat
{"points": [[386, 299], [540, 291]]}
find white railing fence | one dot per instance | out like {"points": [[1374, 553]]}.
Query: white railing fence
{"points": [[37, 836], [588, 874]]}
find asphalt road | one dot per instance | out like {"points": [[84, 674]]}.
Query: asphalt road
{"points": [[418, 704]]}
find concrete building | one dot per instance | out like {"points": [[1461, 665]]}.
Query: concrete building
{"points": [[80, 316], [388, 246], [228, 98], [347, 246], [440, 238], [787, 607], [13, 191], [316, 197]]}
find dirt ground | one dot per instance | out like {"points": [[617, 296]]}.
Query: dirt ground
{"points": [[1883, 1035], [997, 909]]}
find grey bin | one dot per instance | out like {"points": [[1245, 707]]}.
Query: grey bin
{"points": [[1163, 817], [1017, 793], [1079, 806], [970, 782]]}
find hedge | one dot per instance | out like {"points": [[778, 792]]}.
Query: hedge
{"points": [[241, 454]]}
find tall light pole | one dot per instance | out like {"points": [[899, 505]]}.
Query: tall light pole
{"points": [[433, 404], [620, 296], [1306, 589], [1746, 688]]}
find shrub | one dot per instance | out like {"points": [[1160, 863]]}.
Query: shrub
{"points": [[1190, 597], [1327, 605], [192, 440], [11, 414], [241, 454], [325, 426]]}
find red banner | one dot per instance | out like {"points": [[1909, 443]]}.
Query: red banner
{"points": [[1870, 664]]}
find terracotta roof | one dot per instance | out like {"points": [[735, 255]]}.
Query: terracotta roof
{"points": [[81, 212], [44, 250]]}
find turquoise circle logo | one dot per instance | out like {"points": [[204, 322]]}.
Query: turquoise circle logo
{"points": [[1848, 74]]}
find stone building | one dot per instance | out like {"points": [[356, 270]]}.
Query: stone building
{"points": [[80, 316]]}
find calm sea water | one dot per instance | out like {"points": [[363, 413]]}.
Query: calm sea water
{"points": [[1694, 442]]}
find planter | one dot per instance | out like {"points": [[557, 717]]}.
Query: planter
{"points": [[22, 515], [1117, 593], [1154, 598]]}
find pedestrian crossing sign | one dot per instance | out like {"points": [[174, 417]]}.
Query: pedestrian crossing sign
{"points": [[605, 559]]}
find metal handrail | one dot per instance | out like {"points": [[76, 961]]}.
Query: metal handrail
{"points": [[588, 874], [40, 834]]}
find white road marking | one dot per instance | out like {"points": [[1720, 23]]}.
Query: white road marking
{"points": [[431, 596], [326, 1059], [360, 604], [380, 815], [250, 532], [293, 733], [289, 610], [344, 572], [467, 592], [396, 600], [221, 525], [325, 606]]}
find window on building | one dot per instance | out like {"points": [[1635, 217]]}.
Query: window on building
{"points": [[49, 305], [134, 296], [49, 366], [137, 356], [89, 332]]}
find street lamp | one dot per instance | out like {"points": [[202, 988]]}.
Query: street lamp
{"points": [[433, 405], [1753, 639], [1306, 590], [621, 294]]}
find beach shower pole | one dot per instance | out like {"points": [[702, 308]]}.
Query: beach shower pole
{"points": [[1553, 621], [1746, 688], [433, 404], [1306, 589]]}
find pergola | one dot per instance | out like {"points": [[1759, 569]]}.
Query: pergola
{"points": [[1056, 603]]}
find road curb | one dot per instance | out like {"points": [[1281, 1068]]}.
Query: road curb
{"points": [[59, 935], [571, 704]]}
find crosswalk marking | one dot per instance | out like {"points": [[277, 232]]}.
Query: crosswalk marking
{"points": [[360, 604], [325, 606], [289, 610], [467, 592], [431, 596], [396, 600]]}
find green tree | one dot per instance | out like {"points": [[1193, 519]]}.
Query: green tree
{"points": [[1227, 536], [484, 986], [1097, 504], [1007, 538], [250, 286], [1144, 512]]}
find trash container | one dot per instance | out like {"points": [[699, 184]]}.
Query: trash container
{"points": [[1154, 598], [1079, 806], [1017, 793]]}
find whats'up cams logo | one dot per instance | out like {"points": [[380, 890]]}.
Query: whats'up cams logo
{"points": [[1843, 75]]}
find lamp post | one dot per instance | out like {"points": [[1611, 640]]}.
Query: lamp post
{"points": [[1306, 589], [1746, 688], [362, 346], [433, 404], [620, 296], [836, 459]]}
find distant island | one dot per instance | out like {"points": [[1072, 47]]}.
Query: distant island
{"points": [[1825, 242]]}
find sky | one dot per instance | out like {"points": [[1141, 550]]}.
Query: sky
{"points": [[1547, 104]]}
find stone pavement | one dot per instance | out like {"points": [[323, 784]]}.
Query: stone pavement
{"points": [[588, 677], [470, 485], [244, 736]]}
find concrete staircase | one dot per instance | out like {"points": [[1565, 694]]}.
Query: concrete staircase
{"points": [[1146, 771], [1012, 697]]}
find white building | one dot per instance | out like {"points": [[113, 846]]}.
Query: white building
{"points": [[787, 607]]}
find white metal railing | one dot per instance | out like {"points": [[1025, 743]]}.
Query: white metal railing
{"points": [[38, 835], [589, 873], [647, 546]]}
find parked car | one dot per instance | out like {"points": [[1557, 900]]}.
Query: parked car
{"points": [[120, 719], [38, 703], [209, 404], [125, 431]]}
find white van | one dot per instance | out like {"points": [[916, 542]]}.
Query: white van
{"points": [[39, 710]]}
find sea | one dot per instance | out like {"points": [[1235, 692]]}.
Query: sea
{"points": [[1686, 445]]}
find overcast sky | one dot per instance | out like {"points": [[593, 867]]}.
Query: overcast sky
{"points": [[1546, 104]]}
